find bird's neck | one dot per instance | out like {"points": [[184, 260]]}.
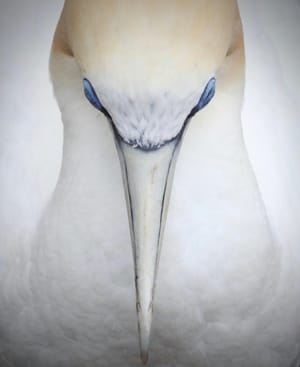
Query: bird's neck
{"points": [[90, 176]]}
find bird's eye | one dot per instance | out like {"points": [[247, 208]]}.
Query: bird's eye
{"points": [[91, 95], [206, 96]]}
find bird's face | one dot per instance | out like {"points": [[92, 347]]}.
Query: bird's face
{"points": [[149, 62], [149, 66]]}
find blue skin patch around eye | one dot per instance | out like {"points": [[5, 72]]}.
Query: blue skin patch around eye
{"points": [[206, 96], [91, 95], [208, 93]]}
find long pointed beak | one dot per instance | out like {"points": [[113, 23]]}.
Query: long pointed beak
{"points": [[147, 177]]}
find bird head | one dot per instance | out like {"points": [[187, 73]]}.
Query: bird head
{"points": [[149, 67]]}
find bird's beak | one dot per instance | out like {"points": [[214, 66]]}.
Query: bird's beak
{"points": [[147, 177]]}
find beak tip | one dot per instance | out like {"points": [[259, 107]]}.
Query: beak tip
{"points": [[144, 357], [145, 321]]}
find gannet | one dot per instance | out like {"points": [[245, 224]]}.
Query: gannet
{"points": [[163, 80]]}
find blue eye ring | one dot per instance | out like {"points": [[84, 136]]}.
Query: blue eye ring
{"points": [[91, 95], [206, 96]]}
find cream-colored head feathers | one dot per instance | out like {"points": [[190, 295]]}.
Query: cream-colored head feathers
{"points": [[146, 44], [149, 61]]}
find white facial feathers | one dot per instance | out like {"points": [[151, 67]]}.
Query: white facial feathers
{"points": [[148, 121]]}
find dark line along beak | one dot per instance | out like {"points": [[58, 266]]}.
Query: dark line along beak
{"points": [[147, 178]]}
